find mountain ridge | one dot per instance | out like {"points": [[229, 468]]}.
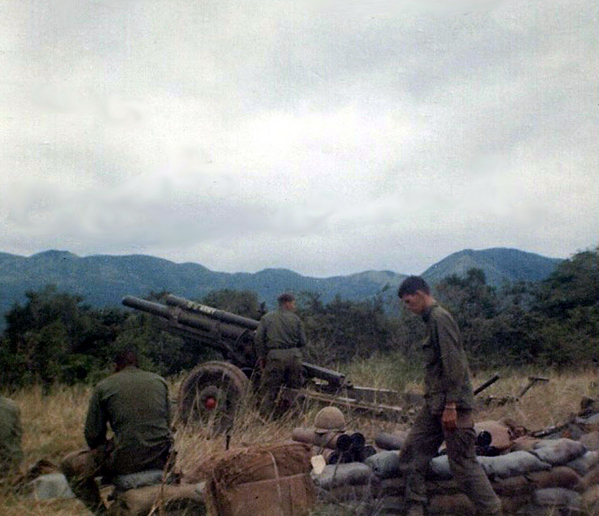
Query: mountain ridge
{"points": [[103, 280]]}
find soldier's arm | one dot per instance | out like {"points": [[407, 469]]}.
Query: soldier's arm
{"points": [[260, 339], [167, 402], [452, 358], [302, 335], [96, 422]]}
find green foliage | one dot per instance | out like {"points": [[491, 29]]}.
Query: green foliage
{"points": [[342, 330], [55, 337], [555, 323], [575, 283]]}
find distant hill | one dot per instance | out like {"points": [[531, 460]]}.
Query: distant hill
{"points": [[500, 265], [104, 280]]}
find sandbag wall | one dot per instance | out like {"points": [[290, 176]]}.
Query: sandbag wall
{"points": [[547, 476]]}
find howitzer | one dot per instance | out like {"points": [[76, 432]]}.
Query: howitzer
{"points": [[219, 386]]}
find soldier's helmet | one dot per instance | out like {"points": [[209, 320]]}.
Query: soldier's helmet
{"points": [[329, 419]]}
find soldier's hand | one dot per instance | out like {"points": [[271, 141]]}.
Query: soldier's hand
{"points": [[450, 417]]}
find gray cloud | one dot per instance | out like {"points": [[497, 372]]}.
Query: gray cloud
{"points": [[326, 137]]}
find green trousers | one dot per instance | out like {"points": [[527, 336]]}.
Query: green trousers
{"points": [[82, 467], [283, 368], [422, 445]]}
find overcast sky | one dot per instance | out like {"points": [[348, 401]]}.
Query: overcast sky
{"points": [[309, 135]]}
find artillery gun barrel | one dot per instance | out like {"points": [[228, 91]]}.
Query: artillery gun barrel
{"points": [[213, 313], [184, 318]]}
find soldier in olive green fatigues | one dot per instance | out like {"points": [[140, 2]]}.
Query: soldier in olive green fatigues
{"points": [[279, 337], [135, 404], [11, 432], [447, 412]]}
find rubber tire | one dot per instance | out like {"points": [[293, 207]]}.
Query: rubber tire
{"points": [[230, 385]]}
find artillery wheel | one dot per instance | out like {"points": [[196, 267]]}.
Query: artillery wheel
{"points": [[212, 394]]}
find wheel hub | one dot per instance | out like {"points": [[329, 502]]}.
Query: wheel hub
{"points": [[210, 403]]}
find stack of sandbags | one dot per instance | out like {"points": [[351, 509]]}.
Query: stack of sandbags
{"points": [[395, 441], [269, 480], [344, 482], [529, 481]]}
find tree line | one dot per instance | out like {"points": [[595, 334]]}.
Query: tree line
{"points": [[55, 337]]}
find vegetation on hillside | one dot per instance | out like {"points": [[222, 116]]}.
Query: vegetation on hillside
{"points": [[55, 338]]}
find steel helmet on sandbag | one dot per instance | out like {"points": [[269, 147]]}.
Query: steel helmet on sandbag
{"points": [[329, 418]]}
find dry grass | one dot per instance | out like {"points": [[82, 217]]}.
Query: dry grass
{"points": [[53, 424]]}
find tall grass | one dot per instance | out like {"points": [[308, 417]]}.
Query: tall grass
{"points": [[53, 424]]}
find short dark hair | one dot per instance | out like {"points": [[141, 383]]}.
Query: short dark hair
{"points": [[411, 285], [285, 297], [126, 357]]}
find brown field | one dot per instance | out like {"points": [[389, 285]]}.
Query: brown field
{"points": [[53, 424]]}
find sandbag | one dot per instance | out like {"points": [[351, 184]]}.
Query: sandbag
{"points": [[293, 495], [583, 464], [558, 451], [384, 464], [346, 494], [51, 486], [558, 497], [524, 443], [590, 423], [561, 476], [590, 500], [170, 498], [335, 475], [591, 478], [590, 440], [140, 479], [500, 433], [513, 486], [512, 464], [388, 441], [504, 466], [461, 505], [450, 505], [397, 486], [513, 504], [534, 509]]}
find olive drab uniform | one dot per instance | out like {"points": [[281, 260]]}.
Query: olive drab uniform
{"points": [[135, 404], [11, 432], [447, 380], [279, 337]]}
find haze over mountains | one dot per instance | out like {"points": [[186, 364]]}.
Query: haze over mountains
{"points": [[104, 280]]}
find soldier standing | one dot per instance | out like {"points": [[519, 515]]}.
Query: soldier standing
{"points": [[447, 411], [279, 337], [11, 432], [136, 406]]}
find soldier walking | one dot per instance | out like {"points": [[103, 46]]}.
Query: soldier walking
{"points": [[447, 411], [279, 339]]}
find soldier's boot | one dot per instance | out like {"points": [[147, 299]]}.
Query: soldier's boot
{"points": [[415, 509]]}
